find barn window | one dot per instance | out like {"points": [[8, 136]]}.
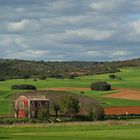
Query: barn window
{"points": [[33, 113], [32, 105], [39, 104], [46, 103]]}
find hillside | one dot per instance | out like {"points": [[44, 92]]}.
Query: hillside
{"points": [[19, 68], [130, 79]]}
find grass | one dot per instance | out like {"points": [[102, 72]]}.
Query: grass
{"points": [[109, 102], [130, 79], [85, 132]]}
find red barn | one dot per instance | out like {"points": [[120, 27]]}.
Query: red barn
{"points": [[27, 106]]}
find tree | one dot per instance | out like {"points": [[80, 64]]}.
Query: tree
{"points": [[56, 108], [43, 114], [73, 105], [42, 77], [69, 105], [96, 112], [102, 86], [26, 76], [112, 76], [23, 87]]}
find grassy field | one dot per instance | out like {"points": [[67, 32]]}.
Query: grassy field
{"points": [[84, 132], [130, 79]]}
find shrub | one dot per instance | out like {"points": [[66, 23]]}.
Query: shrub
{"points": [[73, 105], [42, 77], [2, 79], [43, 114], [59, 76], [112, 76], [23, 87], [25, 76], [13, 120], [102, 86], [69, 105], [96, 112], [35, 79], [56, 108]]}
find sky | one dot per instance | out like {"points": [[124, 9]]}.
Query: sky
{"points": [[70, 30]]}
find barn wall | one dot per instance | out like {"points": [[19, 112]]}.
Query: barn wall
{"points": [[22, 107]]}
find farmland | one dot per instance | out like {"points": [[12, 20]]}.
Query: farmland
{"points": [[130, 79], [101, 131]]}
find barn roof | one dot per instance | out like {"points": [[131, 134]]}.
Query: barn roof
{"points": [[36, 97]]}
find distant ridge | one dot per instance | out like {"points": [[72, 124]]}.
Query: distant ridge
{"points": [[14, 68]]}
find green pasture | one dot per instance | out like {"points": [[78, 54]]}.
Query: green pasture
{"points": [[130, 79], [79, 132]]}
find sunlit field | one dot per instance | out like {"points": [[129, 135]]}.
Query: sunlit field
{"points": [[130, 79]]}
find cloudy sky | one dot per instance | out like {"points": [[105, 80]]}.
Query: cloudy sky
{"points": [[97, 30]]}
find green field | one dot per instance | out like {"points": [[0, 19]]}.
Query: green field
{"points": [[79, 132], [130, 79]]}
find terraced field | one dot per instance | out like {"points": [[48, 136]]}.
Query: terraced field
{"points": [[130, 79]]}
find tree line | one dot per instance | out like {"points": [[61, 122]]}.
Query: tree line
{"points": [[12, 69]]}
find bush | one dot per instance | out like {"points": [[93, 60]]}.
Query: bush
{"points": [[59, 76], [96, 112], [23, 87], [56, 108], [112, 76], [42, 77], [102, 86], [2, 79], [13, 120], [69, 105], [43, 115]]}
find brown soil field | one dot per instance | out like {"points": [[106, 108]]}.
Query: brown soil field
{"points": [[122, 110], [129, 94], [68, 89]]}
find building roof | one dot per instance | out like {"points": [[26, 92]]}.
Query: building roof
{"points": [[36, 97]]}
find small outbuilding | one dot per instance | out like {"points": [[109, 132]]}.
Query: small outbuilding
{"points": [[27, 106]]}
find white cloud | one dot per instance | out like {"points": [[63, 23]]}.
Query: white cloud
{"points": [[38, 52], [102, 5], [89, 34], [136, 26], [94, 53], [23, 25], [14, 40], [119, 53], [58, 29]]}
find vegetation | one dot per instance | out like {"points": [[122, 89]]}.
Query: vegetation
{"points": [[43, 115], [69, 105], [23, 87], [73, 132], [130, 79], [102, 86], [112, 76], [56, 108], [21, 69], [64, 103]]}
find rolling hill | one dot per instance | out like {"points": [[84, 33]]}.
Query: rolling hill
{"points": [[12, 69]]}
